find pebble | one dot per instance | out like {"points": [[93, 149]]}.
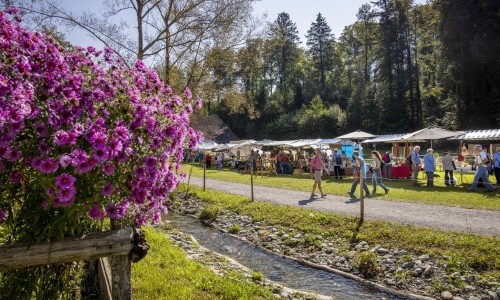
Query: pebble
{"points": [[493, 295], [333, 252], [446, 295]]}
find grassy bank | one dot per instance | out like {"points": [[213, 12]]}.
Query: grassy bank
{"points": [[400, 190], [166, 273], [461, 251]]}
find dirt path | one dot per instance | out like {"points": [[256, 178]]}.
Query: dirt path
{"points": [[436, 216]]}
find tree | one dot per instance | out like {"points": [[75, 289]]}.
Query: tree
{"points": [[320, 42], [173, 33], [284, 37]]}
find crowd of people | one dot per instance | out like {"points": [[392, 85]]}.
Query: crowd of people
{"points": [[280, 163]]}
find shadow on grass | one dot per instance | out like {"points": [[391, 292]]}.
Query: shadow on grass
{"points": [[355, 232]]}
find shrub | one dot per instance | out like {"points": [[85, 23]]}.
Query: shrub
{"points": [[366, 263], [210, 213], [83, 137], [257, 276], [235, 228]]}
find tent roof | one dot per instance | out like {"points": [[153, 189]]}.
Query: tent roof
{"points": [[429, 133], [356, 135], [336, 141], [478, 135], [389, 138]]}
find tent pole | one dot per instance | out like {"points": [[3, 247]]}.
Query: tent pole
{"points": [[251, 176]]}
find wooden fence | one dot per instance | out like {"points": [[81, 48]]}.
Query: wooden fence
{"points": [[121, 246]]}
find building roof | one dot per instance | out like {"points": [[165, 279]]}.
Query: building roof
{"points": [[479, 135], [213, 128], [389, 138]]}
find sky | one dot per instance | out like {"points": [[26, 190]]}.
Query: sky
{"points": [[338, 14]]}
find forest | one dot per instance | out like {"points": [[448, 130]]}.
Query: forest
{"points": [[399, 67]]}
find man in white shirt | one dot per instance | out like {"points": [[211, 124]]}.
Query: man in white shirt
{"points": [[481, 165]]}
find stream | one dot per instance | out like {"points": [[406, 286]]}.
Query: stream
{"points": [[275, 267]]}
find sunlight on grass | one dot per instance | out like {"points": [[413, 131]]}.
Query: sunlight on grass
{"points": [[400, 190], [479, 252], [166, 273]]}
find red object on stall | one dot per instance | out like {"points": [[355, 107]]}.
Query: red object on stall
{"points": [[401, 172]]}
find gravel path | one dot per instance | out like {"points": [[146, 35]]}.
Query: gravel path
{"points": [[477, 221]]}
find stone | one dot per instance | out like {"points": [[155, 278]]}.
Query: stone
{"points": [[493, 295], [408, 265], [427, 271], [424, 257], [458, 298], [474, 298], [329, 250], [446, 295], [469, 288], [382, 251]]}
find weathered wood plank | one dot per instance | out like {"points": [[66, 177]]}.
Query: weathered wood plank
{"points": [[102, 244]]}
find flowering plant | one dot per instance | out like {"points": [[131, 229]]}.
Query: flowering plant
{"points": [[83, 134]]}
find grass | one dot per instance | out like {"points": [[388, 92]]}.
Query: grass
{"points": [[480, 253], [400, 190], [166, 273]]}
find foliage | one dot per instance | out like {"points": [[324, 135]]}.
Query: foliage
{"points": [[210, 213], [235, 228], [83, 137], [186, 279], [366, 263]]}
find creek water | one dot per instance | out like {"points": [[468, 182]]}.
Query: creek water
{"points": [[275, 267]]}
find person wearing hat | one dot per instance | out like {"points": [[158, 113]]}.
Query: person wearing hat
{"points": [[359, 170], [430, 167], [481, 165]]}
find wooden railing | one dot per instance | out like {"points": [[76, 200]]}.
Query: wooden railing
{"points": [[121, 246]]}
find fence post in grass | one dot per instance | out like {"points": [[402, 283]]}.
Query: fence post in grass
{"points": [[362, 197], [251, 176], [204, 174]]}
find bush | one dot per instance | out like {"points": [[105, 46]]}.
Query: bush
{"points": [[83, 137], [235, 228], [210, 213], [366, 263]]}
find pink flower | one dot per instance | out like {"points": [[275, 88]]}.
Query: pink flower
{"points": [[96, 213], [16, 177], [66, 196], [108, 189], [48, 166], [65, 181], [108, 169], [2, 215]]}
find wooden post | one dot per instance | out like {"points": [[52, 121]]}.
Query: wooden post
{"points": [[120, 277], [251, 176], [204, 174], [362, 197]]}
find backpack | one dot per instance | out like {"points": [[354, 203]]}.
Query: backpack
{"points": [[338, 160], [408, 160], [386, 158], [488, 156]]}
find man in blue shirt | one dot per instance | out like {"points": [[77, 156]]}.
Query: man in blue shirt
{"points": [[481, 165], [415, 164]]}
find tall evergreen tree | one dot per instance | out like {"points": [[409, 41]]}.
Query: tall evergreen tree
{"points": [[285, 38], [320, 41]]}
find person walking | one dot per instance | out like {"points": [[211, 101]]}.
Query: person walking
{"points": [[496, 165], [359, 170], [220, 159], [387, 164], [377, 172], [481, 165], [415, 164], [208, 160], [337, 163], [316, 166], [430, 167], [448, 167]]}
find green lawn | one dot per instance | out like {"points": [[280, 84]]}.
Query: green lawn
{"points": [[166, 273], [401, 190], [464, 251]]}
